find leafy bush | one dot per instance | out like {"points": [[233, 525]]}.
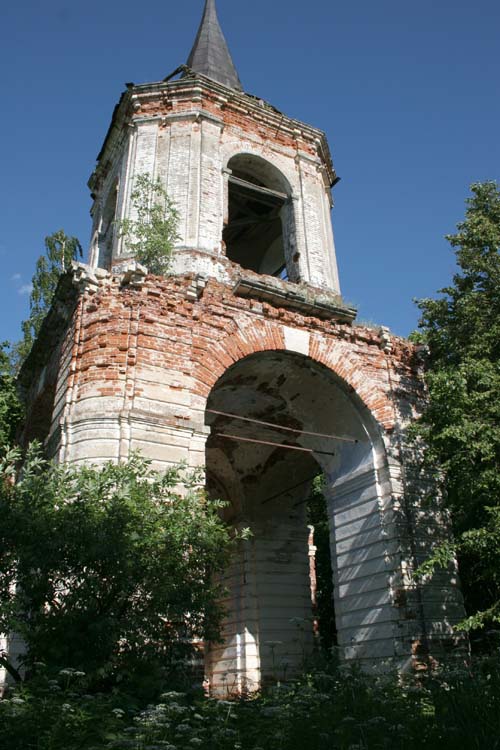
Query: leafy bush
{"points": [[56, 712], [108, 569], [60, 251]]}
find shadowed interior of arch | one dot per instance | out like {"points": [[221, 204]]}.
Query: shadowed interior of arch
{"points": [[265, 474], [259, 216], [107, 229]]}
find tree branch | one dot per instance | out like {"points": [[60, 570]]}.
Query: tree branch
{"points": [[5, 663]]}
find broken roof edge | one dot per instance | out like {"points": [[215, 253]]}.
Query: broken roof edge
{"points": [[122, 113], [53, 327], [316, 302]]}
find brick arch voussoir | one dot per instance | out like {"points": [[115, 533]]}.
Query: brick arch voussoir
{"points": [[372, 390], [368, 382], [213, 361]]}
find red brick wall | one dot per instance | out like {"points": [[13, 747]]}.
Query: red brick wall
{"points": [[123, 329]]}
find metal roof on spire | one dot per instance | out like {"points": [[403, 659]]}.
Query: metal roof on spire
{"points": [[210, 54]]}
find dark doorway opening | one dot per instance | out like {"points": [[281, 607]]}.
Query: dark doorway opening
{"points": [[263, 462]]}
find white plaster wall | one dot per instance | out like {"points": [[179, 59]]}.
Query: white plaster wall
{"points": [[268, 629], [211, 204], [3, 672], [164, 420], [189, 152], [363, 547], [13, 646]]}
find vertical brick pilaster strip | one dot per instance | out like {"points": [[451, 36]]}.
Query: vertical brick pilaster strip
{"points": [[129, 386], [74, 370]]}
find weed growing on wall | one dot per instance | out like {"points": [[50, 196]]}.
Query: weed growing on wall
{"points": [[151, 235]]}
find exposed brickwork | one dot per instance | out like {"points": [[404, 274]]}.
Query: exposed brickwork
{"points": [[136, 366], [156, 326]]}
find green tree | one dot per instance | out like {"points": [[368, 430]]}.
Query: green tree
{"points": [[10, 407], [461, 424], [10, 417], [112, 565], [317, 517], [60, 251], [151, 236]]}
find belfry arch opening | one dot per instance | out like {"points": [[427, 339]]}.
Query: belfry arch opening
{"points": [[278, 421], [259, 229], [106, 237]]}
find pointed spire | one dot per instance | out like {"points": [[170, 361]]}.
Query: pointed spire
{"points": [[210, 54]]}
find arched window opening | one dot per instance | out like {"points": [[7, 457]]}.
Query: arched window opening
{"points": [[258, 232], [107, 230]]}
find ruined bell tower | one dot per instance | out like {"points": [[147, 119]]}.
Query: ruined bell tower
{"points": [[244, 359], [252, 186]]}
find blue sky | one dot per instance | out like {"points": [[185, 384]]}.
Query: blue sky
{"points": [[408, 94]]}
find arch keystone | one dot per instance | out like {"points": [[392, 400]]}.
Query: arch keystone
{"points": [[296, 340]]}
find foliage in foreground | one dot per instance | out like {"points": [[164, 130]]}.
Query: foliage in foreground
{"points": [[111, 565], [461, 426], [57, 712], [329, 708]]}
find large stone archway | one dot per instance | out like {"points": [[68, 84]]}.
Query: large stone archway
{"points": [[285, 398], [137, 360]]}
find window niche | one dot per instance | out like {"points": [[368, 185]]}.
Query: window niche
{"points": [[259, 234], [106, 235]]}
